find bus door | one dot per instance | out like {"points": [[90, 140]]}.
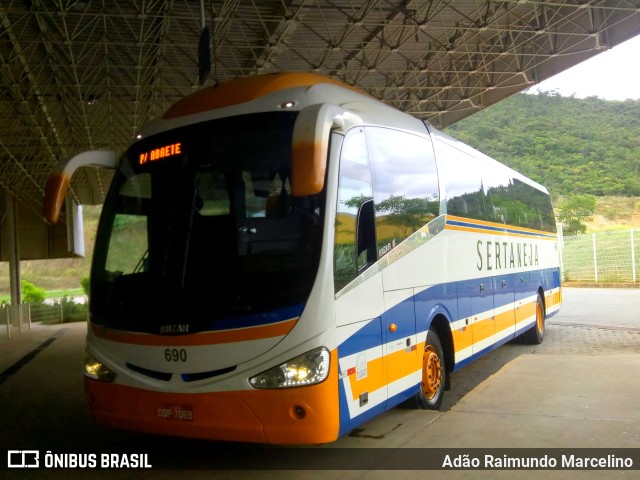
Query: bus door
{"points": [[524, 308], [358, 285], [483, 313], [406, 196], [463, 331]]}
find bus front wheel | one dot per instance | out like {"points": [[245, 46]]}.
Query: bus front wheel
{"points": [[434, 374]]}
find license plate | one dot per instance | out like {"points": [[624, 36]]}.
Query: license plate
{"points": [[182, 413]]}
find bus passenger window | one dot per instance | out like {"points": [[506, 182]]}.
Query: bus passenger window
{"points": [[464, 184], [354, 190], [534, 207], [405, 182], [474, 188]]}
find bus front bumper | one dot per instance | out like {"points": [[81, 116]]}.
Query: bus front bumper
{"points": [[305, 415]]}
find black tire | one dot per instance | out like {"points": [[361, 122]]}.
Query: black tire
{"points": [[535, 335], [434, 376]]}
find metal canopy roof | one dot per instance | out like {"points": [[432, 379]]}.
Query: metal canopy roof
{"points": [[81, 75]]}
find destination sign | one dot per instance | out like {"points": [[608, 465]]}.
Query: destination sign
{"points": [[155, 154]]}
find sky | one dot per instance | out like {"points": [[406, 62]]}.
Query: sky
{"points": [[611, 75]]}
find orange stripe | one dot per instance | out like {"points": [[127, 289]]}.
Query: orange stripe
{"points": [[487, 232], [400, 364], [483, 329], [404, 362], [554, 298], [526, 310], [505, 320], [496, 225], [204, 338], [462, 338], [374, 380]]}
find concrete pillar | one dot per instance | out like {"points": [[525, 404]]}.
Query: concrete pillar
{"points": [[14, 258]]}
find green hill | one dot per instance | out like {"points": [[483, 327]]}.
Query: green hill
{"points": [[570, 145]]}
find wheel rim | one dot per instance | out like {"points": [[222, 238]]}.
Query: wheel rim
{"points": [[431, 372], [539, 317]]}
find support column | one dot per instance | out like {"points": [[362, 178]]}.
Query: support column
{"points": [[14, 258]]}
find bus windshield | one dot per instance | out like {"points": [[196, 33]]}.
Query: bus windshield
{"points": [[200, 225]]}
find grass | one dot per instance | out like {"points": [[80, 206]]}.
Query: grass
{"points": [[615, 213], [68, 292], [614, 257]]}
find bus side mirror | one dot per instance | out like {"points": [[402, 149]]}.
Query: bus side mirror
{"points": [[310, 145], [60, 176], [366, 235]]}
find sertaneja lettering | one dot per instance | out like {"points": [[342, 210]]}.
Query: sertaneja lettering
{"points": [[506, 255]]}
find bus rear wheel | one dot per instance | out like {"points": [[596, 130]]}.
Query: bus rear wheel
{"points": [[535, 335], [434, 374]]}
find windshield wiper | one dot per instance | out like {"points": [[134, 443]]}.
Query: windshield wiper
{"points": [[142, 262]]}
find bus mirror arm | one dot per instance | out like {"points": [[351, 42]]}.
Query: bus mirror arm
{"points": [[310, 145], [60, 176]]}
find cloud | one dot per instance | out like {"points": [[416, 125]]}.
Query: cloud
{"points": [[611, 75]]}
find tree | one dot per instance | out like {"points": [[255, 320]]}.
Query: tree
{"points": [[85, 282], [574, 211], [31, 293], [408, 214]]}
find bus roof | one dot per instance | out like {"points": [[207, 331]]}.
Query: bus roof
{"points": [[240, 90], [270, 92]]}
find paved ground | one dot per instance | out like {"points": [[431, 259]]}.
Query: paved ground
{"points": [[579, 389]]}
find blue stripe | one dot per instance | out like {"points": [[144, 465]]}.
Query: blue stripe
{"points": [[369, 336], [257, 319]]}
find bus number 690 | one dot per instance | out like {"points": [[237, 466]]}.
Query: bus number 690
{"points": [[175, 355]]}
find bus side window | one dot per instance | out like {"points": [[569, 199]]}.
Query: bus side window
{"points": [[405, 182], [465, 185], [352, 246], [537, 212]]}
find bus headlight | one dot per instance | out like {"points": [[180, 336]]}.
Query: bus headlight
{"points": [[307, 369], [96, 370]]}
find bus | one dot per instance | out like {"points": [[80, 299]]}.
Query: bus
{"points": [[282, 257]]}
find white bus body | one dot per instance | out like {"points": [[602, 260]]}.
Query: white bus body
{"points": [[391, 255]]}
